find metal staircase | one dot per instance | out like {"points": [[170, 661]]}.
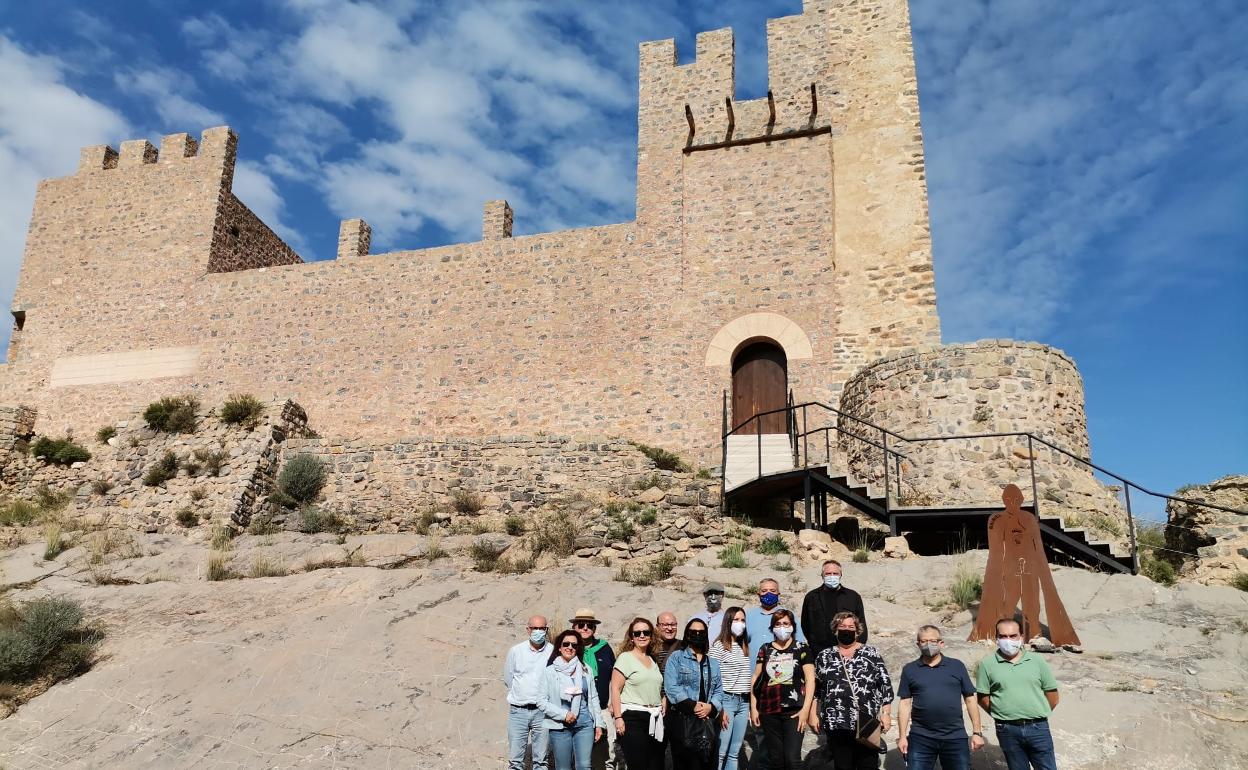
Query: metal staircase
{"points": [[789, 466]]}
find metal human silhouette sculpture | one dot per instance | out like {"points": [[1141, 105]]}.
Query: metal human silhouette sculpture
{"points": [[1017, 569]]}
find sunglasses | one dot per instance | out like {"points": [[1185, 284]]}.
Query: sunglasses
{"points": [[584, 624], [640, 634], [568, 646]]}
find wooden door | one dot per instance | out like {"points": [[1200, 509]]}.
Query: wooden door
{"points": [[760, 383]]}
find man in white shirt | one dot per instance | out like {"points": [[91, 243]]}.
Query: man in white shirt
{"points": [[522, 674]]}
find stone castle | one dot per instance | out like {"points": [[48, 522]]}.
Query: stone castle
{"points": [[780, 246]]}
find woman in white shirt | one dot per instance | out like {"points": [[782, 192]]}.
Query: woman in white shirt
{"points": [[732, 650]]}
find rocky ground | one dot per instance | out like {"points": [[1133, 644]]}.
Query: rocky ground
{"points": [[396, 664]]}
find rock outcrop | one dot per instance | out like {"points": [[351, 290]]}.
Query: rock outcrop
{"points": [[1219, 539]]}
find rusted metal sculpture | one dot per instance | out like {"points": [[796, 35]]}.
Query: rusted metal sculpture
{"points": [[1017, 569]]}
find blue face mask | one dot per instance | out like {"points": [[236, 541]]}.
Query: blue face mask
{"points": [[537, 638], [832, 581], [770, 599]]}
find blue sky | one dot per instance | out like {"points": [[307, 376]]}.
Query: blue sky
{"points": [[1088, 166]]}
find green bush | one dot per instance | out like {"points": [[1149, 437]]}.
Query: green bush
{"points": [[1240, 581], [620, 529], [212, 460], [1157, 570], [663, 459], [18, 655], [242, 409], [467, 502], [775, 544], [187, 517], [313, 520], [302, 478], [648, 516], [485, 555], [172, 414], [61, 451], [513, 525], [104, 434], [164, 469], [44, 639], [554, 535]]}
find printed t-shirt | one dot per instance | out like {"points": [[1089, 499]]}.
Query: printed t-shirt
{"points": [[781, 689]]}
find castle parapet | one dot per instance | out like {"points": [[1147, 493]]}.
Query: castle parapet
{"points": [[354, 238], [217, 146], [497, 221]]}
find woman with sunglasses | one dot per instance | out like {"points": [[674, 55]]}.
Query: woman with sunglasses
{"points": [[637, 698], [569, 700], [695, 694]]}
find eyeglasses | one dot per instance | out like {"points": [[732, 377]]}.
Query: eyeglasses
{"points": [[568, 646], [584, 624], [930, 641], [667, 625], [640, 634], [539, 628]]}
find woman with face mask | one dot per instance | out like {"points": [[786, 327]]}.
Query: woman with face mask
{"points": [[782, 692], [695, 695], [854, 689], [569, 700], [732, 651]]}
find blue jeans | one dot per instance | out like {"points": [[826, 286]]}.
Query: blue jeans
{"points": [[524, 729], [1027, 746], [573, 741], [954, 753], [737, 707]]}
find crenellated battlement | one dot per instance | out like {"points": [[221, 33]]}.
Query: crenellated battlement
{"points": [[217, 146]]}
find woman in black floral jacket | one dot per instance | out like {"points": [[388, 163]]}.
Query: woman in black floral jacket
{"points": [[851, 661]]}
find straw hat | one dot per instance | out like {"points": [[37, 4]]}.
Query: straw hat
{"points": [[584, 615]]}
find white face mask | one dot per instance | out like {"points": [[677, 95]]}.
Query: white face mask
{"points": [[782, 633], [832, 581], [738, 627], [1010, 647]]}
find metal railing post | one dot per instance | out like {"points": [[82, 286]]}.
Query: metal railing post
{"points": [[884, 446], [759, 432], [1135, 549], [1035, 498], [806, 492], [723, 457], [805, 440], [897, 463]]}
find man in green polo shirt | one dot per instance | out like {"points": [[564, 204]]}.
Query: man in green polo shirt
{"points": [[1018, 690]]}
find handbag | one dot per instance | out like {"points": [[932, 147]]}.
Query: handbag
{"points": [[700, 737], [867, 730]]}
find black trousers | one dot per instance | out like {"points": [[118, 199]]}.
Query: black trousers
{"points": [[847, 753], [783, 741], [641, 752]]}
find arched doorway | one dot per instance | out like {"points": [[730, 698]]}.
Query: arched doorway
{"points": [[760, 383]]}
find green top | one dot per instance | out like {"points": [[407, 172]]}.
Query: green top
{"points": [[643, 684], [1017, 688]]}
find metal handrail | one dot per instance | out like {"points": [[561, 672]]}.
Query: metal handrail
{"points": [[790, 422]]}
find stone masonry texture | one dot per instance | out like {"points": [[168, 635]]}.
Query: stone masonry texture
{"points": [[602, 330]]}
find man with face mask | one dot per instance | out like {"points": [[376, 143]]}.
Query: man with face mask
{"points": [[713, 616], [933, 691], [522, 672], [822, 604], [758, 619], [1019, 691]]}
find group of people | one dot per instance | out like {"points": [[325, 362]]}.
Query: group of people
{"points": [[686, 698]]}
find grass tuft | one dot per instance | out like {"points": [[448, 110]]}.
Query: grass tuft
{"points": [[773, 545], [53, 541], [104, 434], [513, 525], [172, 414], [1240, 581], [967, 586], [164, 469], [218, 567], [467, 502], [732, 556], [262, 566]]}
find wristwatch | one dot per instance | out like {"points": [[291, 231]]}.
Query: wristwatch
{"points": [[981, 735]]}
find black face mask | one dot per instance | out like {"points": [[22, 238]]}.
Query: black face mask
{"points": [[846, 638], [696, 639]]}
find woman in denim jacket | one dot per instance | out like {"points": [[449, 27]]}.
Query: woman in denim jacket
{"points": [[569, 700], [694, 690]]}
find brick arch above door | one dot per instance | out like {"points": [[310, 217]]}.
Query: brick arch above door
{"points": [[752, 326]]}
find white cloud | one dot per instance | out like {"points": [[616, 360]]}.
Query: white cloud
{"points": [[254, 187], [1043, 133], [167, 88], [43, 123]]}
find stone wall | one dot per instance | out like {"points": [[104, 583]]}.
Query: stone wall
{"points": [[109, 488], [602, 330], [1219, 539], [386, 484], [991, 386]]}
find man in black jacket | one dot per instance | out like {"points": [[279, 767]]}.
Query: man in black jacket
{"points": [[823, 603]]}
